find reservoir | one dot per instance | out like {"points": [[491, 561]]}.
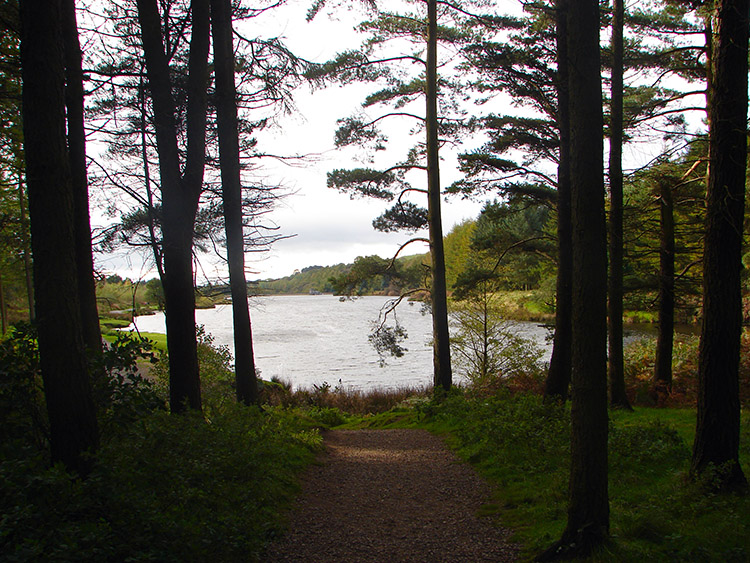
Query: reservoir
{"points": [[316, 339]]}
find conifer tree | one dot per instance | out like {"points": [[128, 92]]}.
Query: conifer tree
{"points": [[180, 188], [423, 31], [70, 406], [716, 445]]}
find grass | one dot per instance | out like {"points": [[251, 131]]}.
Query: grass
{"points": [[657, 514], [522, 445], [159, 340], [190, 488]]}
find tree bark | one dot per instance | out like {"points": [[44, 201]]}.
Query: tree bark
{"points": [[717, 435], [67, 389], [180, 193], [443, 377], [74, 100], [617, 396], [229, 157], [558, 377], [26, 245], [3, 308], [665, 336], [588, 505]]}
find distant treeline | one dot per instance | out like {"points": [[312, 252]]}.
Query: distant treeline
{"points": [[406, 274]]}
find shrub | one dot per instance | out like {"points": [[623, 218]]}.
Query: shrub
{"points": [[23, 414], [216, 373], [167, 489], [639, 371], [489, 353]]}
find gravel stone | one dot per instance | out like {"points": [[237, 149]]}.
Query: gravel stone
{"points": [[391, 496]]}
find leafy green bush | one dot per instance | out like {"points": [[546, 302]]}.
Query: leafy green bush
{"points": [[121, 391], [168, 488], [216, 374], [23, 414], [164, 488]]}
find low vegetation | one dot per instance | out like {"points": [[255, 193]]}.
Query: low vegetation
{"points": [[198, 487], [216, 484], [658, 514]]}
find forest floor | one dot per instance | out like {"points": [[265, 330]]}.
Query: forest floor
{"points": [[394, 496]]}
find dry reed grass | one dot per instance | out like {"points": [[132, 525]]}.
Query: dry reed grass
{"points": [[352, 401]]}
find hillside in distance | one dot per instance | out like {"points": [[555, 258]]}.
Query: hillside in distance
{"points": [[317, 279]]}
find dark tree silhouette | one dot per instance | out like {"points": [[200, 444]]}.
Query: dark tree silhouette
{"points": [[558, 376], [74, 99], [665, 337], [67, 389], [617, 396], [717, 433], [588, 503], [443, 377], [229, 156], [180, 190]]}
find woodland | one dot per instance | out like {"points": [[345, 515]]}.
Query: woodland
{"points": [[125, 450]]}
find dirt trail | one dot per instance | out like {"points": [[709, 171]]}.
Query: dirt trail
{"points": [[391, 496]]}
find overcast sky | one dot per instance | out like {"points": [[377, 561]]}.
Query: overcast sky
{"points": [[325, 227], [329, 227]]}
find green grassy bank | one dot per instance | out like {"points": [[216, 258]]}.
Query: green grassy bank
{"points": [[216, 485]]}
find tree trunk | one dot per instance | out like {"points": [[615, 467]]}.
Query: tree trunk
{"points": [[617, 396], [441, 341], [665, 337], [27, 265], [155, 243], [588, 506], [3, 309], [558, 376], [718, 424], [229, 155], [74, 98], [67, 389], [180, 193]]}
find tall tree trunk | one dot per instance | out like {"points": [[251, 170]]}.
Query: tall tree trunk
{"points": [[150, 210], [3, 308], [443, 377], [229, 156], [665, 336], [180, 193], [27, 265], [558, 376], [617, 396], [67, 389], [718, 423], [74, 100], [588, 506]]}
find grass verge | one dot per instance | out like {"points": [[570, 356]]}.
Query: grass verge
{"points": [[656, 513]]}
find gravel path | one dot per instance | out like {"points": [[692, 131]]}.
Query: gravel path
{"points": [[390, 496]]}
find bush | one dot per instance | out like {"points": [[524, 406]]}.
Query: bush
{"points": [[639, 372], [23, 413], [163, 487], [167, 489], [218, 387], [489, 353]]}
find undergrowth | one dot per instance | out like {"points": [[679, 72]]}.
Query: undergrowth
{"points": [[657, 514], [196, 487], [213, 486]]}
